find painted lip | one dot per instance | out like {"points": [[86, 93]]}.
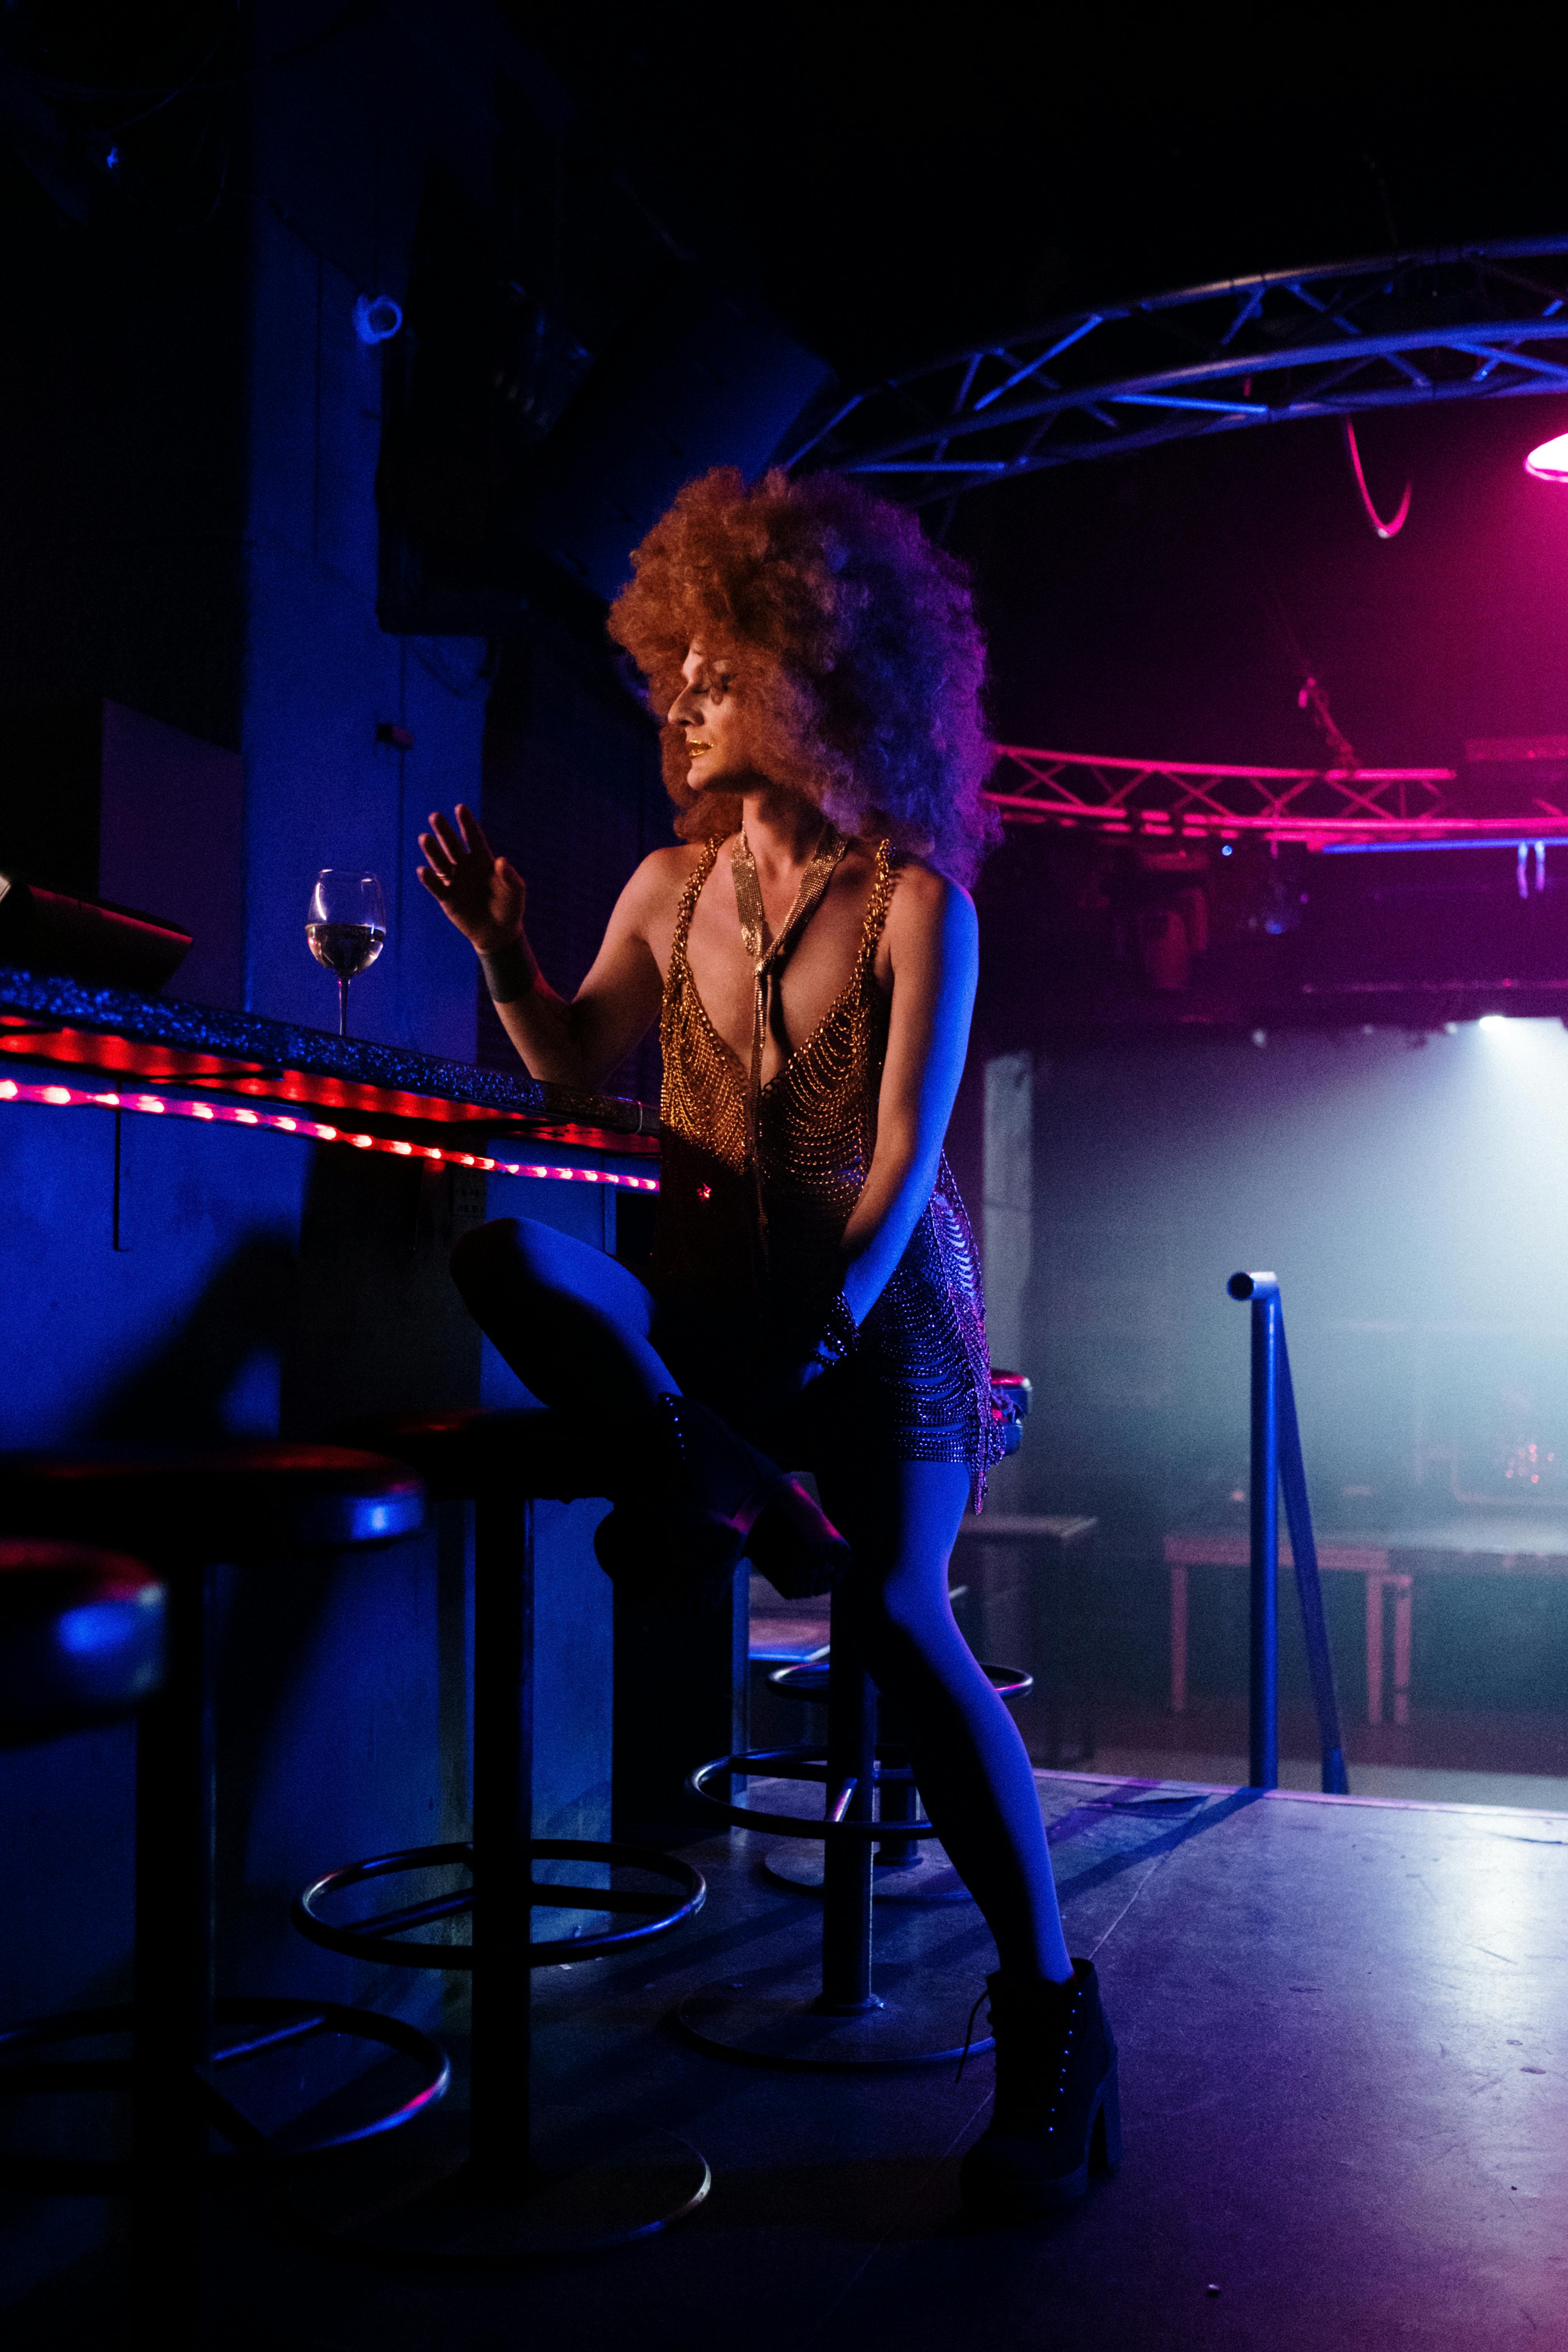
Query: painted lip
{"points": [[695, 750]]}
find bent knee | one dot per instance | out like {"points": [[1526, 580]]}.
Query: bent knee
{"points": [[907, 1614], [878, 1609]]}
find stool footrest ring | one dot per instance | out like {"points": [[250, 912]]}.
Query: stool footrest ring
{"points": [[268, 2023], [802, 1764], [376, 1938], [807, 1678]]}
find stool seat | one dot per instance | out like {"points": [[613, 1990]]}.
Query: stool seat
{"points": [[528, 1451], [1012, 1394], [244, 1502], [81, 1639]]}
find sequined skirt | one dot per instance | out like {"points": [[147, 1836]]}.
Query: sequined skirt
{"points": [[917, 1387]]}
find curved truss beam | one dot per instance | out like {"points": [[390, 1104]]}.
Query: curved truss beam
{"points": [[1474, 321]]}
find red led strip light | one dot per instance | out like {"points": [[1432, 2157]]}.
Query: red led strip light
{"points": [[314, 1133]]}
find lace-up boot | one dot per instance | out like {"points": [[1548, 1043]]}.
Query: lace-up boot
{"points": [[1057, 2116]]}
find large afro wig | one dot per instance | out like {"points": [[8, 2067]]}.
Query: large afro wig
{"points": [[853, 636]]}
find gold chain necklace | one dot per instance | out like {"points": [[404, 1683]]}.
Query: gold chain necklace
{"points": [[767, 958]]}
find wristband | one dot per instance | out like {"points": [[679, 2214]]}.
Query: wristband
{"points": [[509, 972]]}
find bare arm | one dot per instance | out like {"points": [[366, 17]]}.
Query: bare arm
{"points": [[934, 942], [573, 1042]]}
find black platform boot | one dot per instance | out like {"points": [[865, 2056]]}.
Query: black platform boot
{"points": [[690, 1497], [1057, 2116]]}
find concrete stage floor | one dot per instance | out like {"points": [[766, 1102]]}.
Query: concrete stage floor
{"points": [[1344, 2086]]}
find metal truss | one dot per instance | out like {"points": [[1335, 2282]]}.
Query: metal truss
{"points": [[1169, 798], [1473, 321]]}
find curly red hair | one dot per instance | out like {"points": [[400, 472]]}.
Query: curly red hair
{"points": [[862, 651]]}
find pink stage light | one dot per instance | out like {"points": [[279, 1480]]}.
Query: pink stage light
{"points": [[1550, 462], [1395, 524], [78, 1097]]}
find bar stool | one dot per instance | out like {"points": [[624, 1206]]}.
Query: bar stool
{"points": [[828, 2017], [534, 2185], [81, 1645], [901, 1871], [81, 1640], [183, 1512]]}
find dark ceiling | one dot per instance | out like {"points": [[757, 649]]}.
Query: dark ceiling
{"points": [[901, 184], [895, 194], [895, 187]]}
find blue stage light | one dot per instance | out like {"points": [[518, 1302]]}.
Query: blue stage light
{"points": [[378, 317]]}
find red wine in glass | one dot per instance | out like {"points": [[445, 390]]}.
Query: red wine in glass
{"points": [[345, 928]]}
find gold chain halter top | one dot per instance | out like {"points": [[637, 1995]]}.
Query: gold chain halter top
{"points": [[748, 1230]]}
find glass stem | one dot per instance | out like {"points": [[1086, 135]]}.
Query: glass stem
{"points": [[342, 1007]]}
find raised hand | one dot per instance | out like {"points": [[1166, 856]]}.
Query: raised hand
{"points": [[482, 894]]}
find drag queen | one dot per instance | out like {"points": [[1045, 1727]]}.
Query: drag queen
{"points": [[809, 952]]}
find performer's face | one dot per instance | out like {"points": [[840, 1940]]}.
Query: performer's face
{"points": [[715, 718]]}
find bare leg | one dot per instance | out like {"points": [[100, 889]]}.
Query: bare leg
{"points": [[567, 1319], [971, 1765]]}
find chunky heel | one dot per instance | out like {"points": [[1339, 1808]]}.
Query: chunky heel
{"points": [[1058, 2111]]}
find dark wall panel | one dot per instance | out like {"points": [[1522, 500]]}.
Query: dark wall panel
{"points": [[572, 794]]}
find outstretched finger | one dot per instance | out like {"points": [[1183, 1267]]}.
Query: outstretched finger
{"points": [[448, 836], [474, 833], [437, 854], [433, 882]]}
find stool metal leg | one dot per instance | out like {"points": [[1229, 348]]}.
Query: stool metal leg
{"points": [[172, 2037], [502, 1827], [903, 1869], [847, 1869], [829, 2017], [901, 1803], [536, 2184], [910, 1869]]}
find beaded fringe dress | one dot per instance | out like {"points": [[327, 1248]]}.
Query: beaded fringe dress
{"points": [[740, 1248]]}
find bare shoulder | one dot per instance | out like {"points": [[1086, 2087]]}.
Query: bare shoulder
{"points": [[930, 911], [654, 891]]}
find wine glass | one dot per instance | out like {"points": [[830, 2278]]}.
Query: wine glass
{"points": [[346, 929]]}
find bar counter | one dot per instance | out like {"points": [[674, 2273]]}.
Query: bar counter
{"points": [[224, 1268], [399, 1098]]}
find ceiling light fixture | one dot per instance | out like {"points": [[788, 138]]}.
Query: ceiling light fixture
{"points": [[1550, 462]]}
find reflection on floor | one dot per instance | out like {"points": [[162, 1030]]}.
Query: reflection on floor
{"points": [[1398, 1782], [1344, 2062], [1441, 1756]]}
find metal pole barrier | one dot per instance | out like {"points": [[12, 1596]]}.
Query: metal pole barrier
{"points": [[1263, 1290], [1308, 1585]]}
